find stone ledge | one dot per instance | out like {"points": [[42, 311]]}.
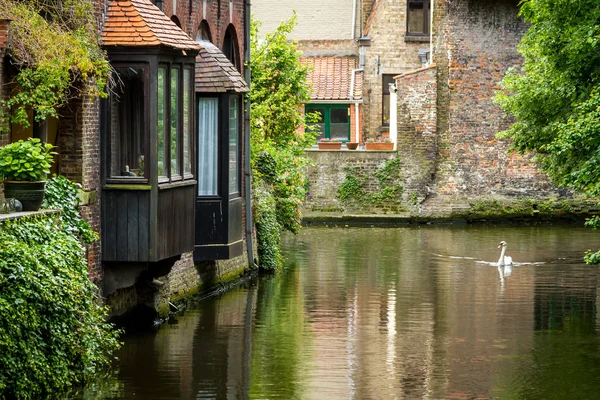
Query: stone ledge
{"points": [[17, 215]]}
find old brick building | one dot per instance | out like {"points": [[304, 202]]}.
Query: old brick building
{"points": [[162, 162]]}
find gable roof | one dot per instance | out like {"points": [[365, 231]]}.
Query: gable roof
{"points": [[215, 73], [330, 78], [139, 23]]}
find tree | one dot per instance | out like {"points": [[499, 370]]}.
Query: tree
{"points": [[278, 92], [555, 95]]}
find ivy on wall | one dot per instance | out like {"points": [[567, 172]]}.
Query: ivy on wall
{"points": [[354, 186], [56, 49]]}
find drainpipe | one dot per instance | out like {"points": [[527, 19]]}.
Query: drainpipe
{"points": [[247, 172], [394, 115], [352, 79], [431, 32], [353, 19]]}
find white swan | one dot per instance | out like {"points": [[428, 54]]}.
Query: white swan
{"points": [[504, 260]]}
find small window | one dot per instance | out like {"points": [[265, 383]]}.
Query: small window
{"points": [[127, 124], [385, 90], [174, 119], [187, 121], [208, 146], [203, 34], [162, 115], [417, 20], [333, 120], [233, 145]]}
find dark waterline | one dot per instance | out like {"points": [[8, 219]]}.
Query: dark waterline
{"points": [[372, 313]]}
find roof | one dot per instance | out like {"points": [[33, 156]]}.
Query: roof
{"points": [[215, 73], [330, 78], [139, 23]]}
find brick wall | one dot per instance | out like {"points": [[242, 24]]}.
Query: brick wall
{"points": [[417, 131], [329, 172], [476, 42], [389, 53]]}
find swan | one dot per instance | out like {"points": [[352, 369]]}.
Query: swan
{"points": [[504, 260]]}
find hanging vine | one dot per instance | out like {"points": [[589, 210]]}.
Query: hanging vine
{"points": [[56, 49]]}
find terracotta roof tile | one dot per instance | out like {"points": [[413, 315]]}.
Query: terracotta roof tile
{"points": [[215, 73], [141, 23], [330, 78]]}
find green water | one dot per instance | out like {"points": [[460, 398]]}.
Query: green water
{"points": [[389, 313]]}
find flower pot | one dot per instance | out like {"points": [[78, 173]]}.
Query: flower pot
{"points": [[30, 194], [351, 145], [330, 145], [379, 145]]}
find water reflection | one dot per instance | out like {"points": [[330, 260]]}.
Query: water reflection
{"points": [[366, 313]]}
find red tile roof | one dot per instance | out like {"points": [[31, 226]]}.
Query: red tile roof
{"points": [[141, 23], [330, 78], [215, 73]]}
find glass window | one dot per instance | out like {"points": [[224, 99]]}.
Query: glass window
{"points": [[187, 121], [208, 146], [418, 17], [340, 123], [385, 89], [161, 128], [174, 119], [233, 146], [127, 141]]}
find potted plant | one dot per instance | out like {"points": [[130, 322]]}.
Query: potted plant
{"points": [[380, 144], [351, 145], [329, 144], [24, 166]]}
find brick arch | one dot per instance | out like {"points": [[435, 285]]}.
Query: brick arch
{"points": [[231, 47], [204, 33]]}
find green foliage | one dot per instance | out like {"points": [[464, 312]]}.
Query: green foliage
{"points": [[57, 49], [61, 194], [267, 229], [353, 187], [555, 97], [53, 333], [279, 164], [26, 160]]}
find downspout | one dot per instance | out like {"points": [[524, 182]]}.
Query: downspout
{"points": [[431, 32], [353, 20], [394, 115], [247, 172]]}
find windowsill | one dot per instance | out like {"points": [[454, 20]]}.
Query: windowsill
{"points": [[126, 180], [17, 215], [417, 38], [173, 185]]}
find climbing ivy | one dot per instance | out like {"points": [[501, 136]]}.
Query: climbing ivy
{"points": [[353, 186], [53, 332], [56, 48]]}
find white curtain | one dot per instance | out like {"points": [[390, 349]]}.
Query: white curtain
{"points": [[208, 146]]}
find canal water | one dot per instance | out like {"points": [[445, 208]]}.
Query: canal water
{"points": [[389, 313]]}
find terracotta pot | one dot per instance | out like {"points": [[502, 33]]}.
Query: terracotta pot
{"points": [[30, 194], [352, 145], [379, 146], [330, 145]]}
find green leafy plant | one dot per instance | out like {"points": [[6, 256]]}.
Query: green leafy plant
{"points": [[61, 194], [56, 47], [267, 229], [53, 331], [28, 160]]}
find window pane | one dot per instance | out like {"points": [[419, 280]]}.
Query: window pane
{"points": [[339, 126], [339, 115], [127, 141], [208, 146], [174, 118], [233, 146], [318, 126], [416, 17], [386, 109], [187, 123], [161, 129]]}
